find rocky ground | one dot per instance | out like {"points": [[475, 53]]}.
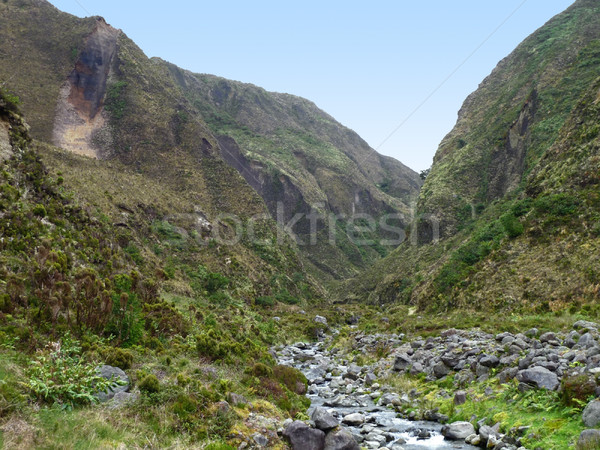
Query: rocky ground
{"points": [[351, 409]]}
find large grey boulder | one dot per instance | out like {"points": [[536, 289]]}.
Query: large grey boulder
{"points": [[458, 431], [112, 373], [588, 439], [303, 437], [402, 362], [591, 414], [340, 440], [540, 377], [323, 419], [354, 419]]}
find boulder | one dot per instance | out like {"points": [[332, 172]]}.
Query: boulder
{"points": [[354, 419], [458, 431], [302, 437], [440, 370], [489, 361], [591, 414], [114, 373], [588, 439], [460, 397], [323, 419], [402, 362], [320, 319], [540, 377], [340, 440]]}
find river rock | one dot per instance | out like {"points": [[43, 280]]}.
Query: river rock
{"points": [[402, 362], [323, 419], [591, 414], [489, 361], [440, 370], [588, 439], [340, 440], [540, 377], [320, 319], [110, 372], [302, 437], [458, 430], [460, 397], [354, 419]]}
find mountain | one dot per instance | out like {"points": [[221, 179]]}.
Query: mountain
{"points": [[507, 216], [87, 88]]}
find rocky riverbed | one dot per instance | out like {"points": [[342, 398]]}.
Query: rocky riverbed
{"points": [[350, 409]]}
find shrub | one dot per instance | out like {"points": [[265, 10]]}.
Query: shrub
{"points": [[265, 301], [215, 281], [118, 357], [557, 204], [511, 225], [39, 210], [292, 378], [576, 389], [149, 384], [63, 377]]}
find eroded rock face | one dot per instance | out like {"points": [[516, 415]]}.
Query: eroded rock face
{"points": [[80, 117], [5, 148]]}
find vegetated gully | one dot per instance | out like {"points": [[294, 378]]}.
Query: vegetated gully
{"points": [[349, 392]]}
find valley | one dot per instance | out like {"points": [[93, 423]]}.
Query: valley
{"points": [[188, 261]]}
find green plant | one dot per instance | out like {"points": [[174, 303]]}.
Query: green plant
{"points": [[149, 384], [62, 376]]}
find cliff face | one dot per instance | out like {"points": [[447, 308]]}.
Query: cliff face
{"points": [[508, 216], [80, 109]]}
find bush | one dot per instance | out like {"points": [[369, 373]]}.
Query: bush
{"points": [[511, 225], [557, 204], [149, 384], [265, 301], [39, 210], [292, 378], [215, 281], [576, 389], [118, 357], [63, 377]]}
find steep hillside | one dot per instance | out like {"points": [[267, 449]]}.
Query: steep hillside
{"points": [[513, 187], [300, 160], [106, 99], [514, 116]]}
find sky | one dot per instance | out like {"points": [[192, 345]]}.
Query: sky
{"points": [[396, 72]]}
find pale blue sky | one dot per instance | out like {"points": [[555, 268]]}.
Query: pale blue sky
{"points": [[368, 64]]}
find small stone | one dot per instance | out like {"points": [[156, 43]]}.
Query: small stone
{"points": [[260, 440], [460, 397], [473, 439]]}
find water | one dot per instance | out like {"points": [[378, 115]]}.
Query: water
{"points": [[409, 435]]}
